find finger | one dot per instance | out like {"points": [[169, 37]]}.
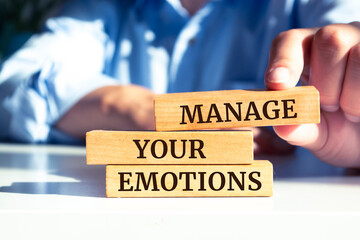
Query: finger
{"points": [[329, 55], [350, 99], [310, 136], [289, 54]]}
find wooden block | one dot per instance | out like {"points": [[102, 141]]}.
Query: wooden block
{"points": [[236, 108], [201, 147], [189, 181]]}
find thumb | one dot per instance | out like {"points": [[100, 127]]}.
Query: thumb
{"points": [[289, 56], [310, 136], [289, 53]]}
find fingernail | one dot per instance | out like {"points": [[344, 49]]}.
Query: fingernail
{"points": [[352, 118], [330, 108], [279, 75]]}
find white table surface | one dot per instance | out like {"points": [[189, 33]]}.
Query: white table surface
{"points": [[48, 192]]}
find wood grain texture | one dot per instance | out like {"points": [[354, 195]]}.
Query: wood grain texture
{"points": [[196, 147], [190, 181], [236, 108]]}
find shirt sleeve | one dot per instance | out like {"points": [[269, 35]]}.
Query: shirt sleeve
{"points": [[318, 13], [55, 69]]}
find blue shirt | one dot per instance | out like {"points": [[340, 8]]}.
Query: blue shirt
{"points": [[153, 43]]}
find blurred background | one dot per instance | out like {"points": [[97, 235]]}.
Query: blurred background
{"points": [[19, 19]]}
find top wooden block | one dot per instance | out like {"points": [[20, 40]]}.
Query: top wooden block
{"points": [[236, 108]]}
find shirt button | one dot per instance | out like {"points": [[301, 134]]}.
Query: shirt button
{"points": [[192, 41]]}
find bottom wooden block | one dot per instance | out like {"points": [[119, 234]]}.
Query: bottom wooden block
{"points": [[190, 180]]}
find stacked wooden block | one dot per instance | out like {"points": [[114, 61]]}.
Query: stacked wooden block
{"points": [[177, 162]]}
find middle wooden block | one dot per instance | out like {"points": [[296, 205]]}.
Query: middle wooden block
{"points": [[195, 147]]}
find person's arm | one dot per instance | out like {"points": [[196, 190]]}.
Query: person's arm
{"points": [[62, 71], [327, 58], [128, 107]]}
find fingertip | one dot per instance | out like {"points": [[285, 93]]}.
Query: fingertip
{"points": [[278, 78], [305, 135], [352, 118], [330, 108], [278, 75], [285, 131]]}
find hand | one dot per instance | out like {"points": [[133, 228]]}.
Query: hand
{"points": [[134, 102], [329, 59], [266, 141], [128, 107]]}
